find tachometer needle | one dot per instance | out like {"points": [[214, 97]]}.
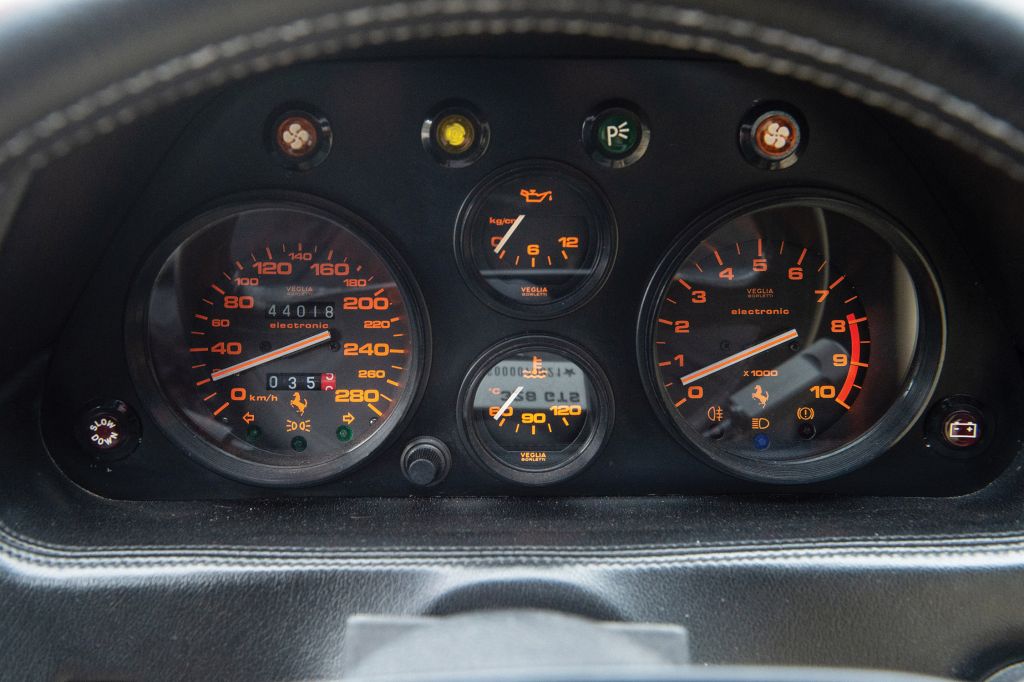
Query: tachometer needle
{"points": [[739, 357], [281, 352], [508, 402], [508, 235]]}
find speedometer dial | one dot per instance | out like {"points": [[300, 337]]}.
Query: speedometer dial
{"points": [[796, 340], [284, 342]]}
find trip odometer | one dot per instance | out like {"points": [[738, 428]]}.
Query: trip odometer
{"points": [[796, 340], [285, 343]]}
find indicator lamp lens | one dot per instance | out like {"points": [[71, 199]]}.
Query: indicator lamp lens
{"points": [[253, 434], [344, 434], [761, 441], [455, 133], [298, 444]]}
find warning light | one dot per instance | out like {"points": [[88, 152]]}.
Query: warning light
{"points": [[455, 133]]}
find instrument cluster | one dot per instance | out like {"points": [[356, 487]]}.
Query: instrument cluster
{"points": [[642, 287]]}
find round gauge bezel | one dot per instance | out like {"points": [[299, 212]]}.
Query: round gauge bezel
{"points": [[178, 428], [600, 419], [922, 373], [605, 232]]}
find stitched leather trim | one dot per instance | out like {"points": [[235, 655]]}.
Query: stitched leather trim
{"points": [[894, 90], [773, 50]]}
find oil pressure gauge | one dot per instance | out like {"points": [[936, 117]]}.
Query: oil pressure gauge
{"points": [[536, 239], [536, 410]]}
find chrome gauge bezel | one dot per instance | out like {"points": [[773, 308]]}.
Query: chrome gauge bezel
{"points": [[921, 377], [587, 448], [174, 424]]}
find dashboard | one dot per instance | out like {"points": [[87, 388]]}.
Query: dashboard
{"points": [[533, 277]]}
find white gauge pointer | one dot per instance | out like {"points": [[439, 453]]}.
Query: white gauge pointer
{"points": [[508, 402], [739, 357], [512, 228], [282, 352]]}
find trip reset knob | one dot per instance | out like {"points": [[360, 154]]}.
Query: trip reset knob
{"points": [[425, 461]]}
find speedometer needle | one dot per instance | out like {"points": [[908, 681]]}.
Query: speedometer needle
{"points": [[508, 235], [281, 352], [739, 357]]}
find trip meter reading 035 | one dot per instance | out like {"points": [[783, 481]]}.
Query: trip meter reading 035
{"points": [[284, 339], [785, 343]]}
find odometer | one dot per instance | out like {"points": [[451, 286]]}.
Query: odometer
{"points": [[795, 340], [285, 341]]}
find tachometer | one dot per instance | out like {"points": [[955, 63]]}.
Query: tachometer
{"points": [[796, 340], [284, 342]]}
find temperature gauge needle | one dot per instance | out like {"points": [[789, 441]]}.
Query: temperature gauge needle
{"points": [[515, 394], [284, 351], [739, 357], [508, 235]]}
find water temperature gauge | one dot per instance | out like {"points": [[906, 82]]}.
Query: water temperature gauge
{"points": [[535, 410]]}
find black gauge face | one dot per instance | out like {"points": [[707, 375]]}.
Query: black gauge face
{"points": [[284, 344], [794, 341], [536, 239], [536, 410]]}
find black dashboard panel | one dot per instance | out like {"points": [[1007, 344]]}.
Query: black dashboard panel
{"points": [[378, 169]]}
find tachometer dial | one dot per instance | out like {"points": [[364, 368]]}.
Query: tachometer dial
{"points": [[536, 239], [796, 340], [284, 341], [536, 409]]}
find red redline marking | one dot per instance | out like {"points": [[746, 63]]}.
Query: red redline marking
{"points": [[857, 321], [221, 409], [851, 376]]}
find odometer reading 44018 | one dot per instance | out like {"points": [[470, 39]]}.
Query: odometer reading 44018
{"points": [[284, 338], [781, 343]]}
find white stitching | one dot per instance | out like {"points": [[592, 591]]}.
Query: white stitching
{"points": [[205, 62], [25, 141]]}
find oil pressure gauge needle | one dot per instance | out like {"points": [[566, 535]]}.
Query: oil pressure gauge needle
{"points": [[515, 394], [508, 235], [739, 357], [282, 352]]}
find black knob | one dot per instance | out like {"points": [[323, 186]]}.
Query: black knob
{"points": [[108, 430], [425, 461]]}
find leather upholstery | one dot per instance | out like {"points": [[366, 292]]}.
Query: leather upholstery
{"points": [[91, 588]]}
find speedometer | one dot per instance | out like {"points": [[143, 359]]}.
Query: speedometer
{"points": [[278, 344], [795, 339]]}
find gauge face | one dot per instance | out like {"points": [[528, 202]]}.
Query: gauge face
{"points": [[536, 240], [795, 341], [536, 410], [285, 344]]}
